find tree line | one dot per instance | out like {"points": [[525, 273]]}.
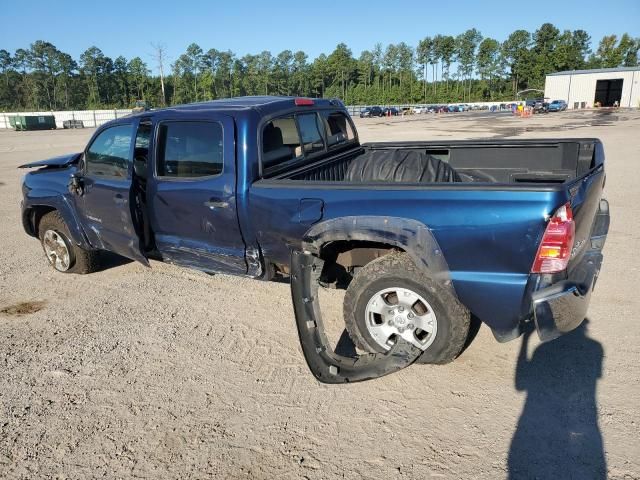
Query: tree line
{"points": [[439, 69]]}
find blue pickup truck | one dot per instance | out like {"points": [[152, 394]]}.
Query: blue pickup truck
{"points": [[423, 236]]}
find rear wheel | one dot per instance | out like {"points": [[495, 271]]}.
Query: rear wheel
{"points": [[390, 298], [62, 253]]}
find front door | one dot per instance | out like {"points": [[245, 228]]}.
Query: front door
{"points": [[105, 199], [192, 194]]}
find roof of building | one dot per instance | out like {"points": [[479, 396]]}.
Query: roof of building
{"points": [[596, 70]]}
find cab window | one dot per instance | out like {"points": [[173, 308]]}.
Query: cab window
{"points": [[339, 129], [310, 133], [280, 142], [141, 149], [108, 154], [189, 149]]}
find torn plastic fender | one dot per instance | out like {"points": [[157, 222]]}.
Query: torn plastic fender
{"points": [[409, 235], [325, 364]]}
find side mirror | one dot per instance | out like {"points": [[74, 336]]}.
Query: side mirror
{"points": [[76, 185]]}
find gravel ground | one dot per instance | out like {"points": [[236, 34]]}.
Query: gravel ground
{"points": [[169, 373]]}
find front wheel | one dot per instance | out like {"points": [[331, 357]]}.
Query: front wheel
{"points": [[62, 253], [390, 298]]}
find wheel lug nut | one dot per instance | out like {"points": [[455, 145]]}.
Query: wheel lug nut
{"points": [[390, 322], [411, 315], [401, 329], [411, 326], [401, 309]]}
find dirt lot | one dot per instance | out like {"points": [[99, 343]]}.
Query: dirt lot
{"points": [[170, 373]]}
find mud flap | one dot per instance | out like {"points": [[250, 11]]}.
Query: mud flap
{"points": [[325, 364]]}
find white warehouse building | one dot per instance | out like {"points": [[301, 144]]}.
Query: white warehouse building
{"points": [[583, 88]]}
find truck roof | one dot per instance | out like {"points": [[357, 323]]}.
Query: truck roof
{"points": [[266, 104]]}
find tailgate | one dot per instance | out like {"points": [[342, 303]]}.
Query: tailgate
{"points": [[560, 300], [585, 193]]}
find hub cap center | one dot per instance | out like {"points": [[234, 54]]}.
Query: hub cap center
{"points": [[400, 312]]}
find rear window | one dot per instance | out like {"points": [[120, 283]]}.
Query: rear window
{"points": [[280, 142], [292, 138], [190, 149], [310, 133], [339, 129]]}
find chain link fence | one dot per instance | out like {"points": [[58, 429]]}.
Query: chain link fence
{"points": [[89, 118]]}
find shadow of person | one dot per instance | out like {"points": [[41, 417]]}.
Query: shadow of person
{"points": [[558, 434]]}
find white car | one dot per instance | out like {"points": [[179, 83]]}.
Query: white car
{"points": [[420, 109]]}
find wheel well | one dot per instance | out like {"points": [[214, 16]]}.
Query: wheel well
{"points": [[355, 253], [34, 216], [345, 257]]}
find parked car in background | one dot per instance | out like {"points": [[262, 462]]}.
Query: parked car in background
{"points": [[420, 109], [454, 108], [391, 111], [407, 111], [371, 112], [541, 107], [557, 106], [73, 124]]}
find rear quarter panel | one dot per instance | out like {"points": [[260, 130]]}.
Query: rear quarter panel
{"points": [[489, 236]]}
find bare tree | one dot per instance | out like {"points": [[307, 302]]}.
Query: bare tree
{"points": [[160, 55]]}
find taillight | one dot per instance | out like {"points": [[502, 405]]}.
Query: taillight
{"points": [[557, 242]]}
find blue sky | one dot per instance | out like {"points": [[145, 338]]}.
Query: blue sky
{"points": [[129, 27]]}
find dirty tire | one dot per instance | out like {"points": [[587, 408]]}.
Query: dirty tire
{"points": [[82, 261], [398, 270]]}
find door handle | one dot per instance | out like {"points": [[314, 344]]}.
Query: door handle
{"points": [[118, 199], [213, 204]]}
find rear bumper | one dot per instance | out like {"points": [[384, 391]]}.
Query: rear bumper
{"points": [[561, 306]]}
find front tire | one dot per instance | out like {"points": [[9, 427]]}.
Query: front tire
{"points": [[63, 255], [390, 297]]}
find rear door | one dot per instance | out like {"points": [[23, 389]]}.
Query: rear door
{"points": [[105, 204], [192, 193]]}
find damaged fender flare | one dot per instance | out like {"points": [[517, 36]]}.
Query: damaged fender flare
{"points": [[325, 364], [409, 235]]}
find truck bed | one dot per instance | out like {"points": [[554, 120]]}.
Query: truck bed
{"points": [[488, 226], [483, 161]]}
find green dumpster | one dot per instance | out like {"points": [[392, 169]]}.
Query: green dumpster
{"points": [[33, 122]]}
